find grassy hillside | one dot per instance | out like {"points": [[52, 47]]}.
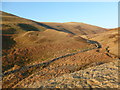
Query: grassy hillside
{"points": [[27, 42], [76, 27], [12, 24], [109, 40]]}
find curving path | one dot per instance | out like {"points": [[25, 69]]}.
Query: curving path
{"points": [[98, 45]]}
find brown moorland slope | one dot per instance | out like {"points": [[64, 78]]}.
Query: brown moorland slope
{"points": [[110, 40], [40, 46], [94, 77], [20, 34], [34, 47], [24, 43], [27, 42], [12, 22], [63, 66], [76, 27]]}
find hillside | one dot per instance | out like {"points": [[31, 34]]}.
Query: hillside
{"points": [[35, 52], [25, 43], [76, 27], [12, 22], [63, 66], [109, 40], [95, 77]]}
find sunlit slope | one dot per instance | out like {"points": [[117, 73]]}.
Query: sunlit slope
{"points": [[12, 24], [26, 41], [109, 40], [76, 27], [34, 47], [50, 43]]}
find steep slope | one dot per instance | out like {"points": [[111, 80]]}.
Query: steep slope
{"points": [[12, 24]]}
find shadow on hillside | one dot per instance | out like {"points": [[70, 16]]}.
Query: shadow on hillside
{"points": [[27, 27], [98, 45], [7, 29], [7, 42], [49, 27]]}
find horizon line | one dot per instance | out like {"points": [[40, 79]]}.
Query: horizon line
{"points": [[56, 21]]}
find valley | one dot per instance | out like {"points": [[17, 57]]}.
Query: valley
{"points": [[37, 54]]}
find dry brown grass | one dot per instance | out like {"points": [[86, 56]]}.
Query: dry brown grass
{"points": [[66, 65], [27, 42], [49, 44], [76, 27], [108, 40]]}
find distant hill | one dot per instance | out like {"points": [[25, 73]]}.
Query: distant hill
{"points": [[14, 24], [114, 29], [76, 27]]}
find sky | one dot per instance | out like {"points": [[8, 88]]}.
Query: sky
{"points": [[103, 14]]}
